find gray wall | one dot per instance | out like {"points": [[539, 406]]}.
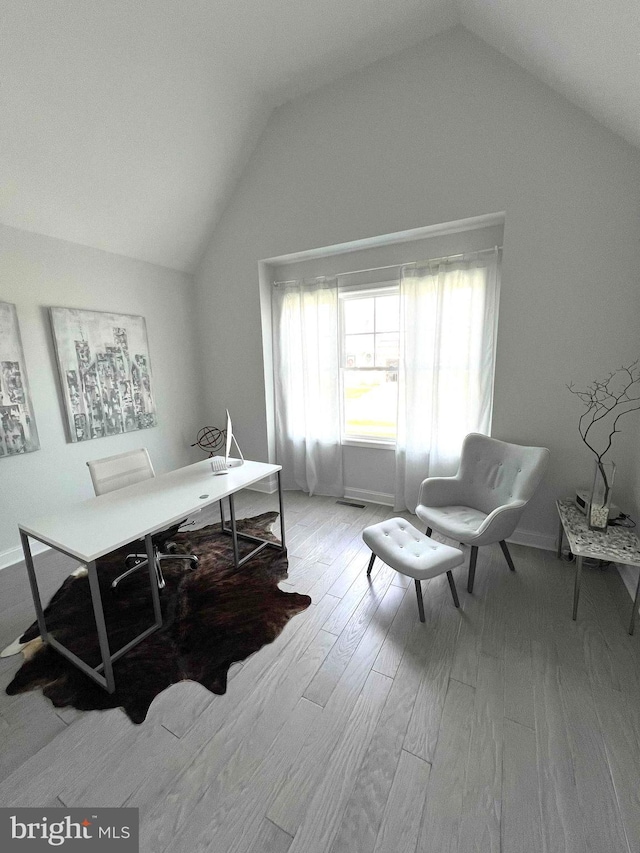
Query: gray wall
{"points": [[441, 132], [36, 272]]}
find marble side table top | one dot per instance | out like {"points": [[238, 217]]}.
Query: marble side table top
{"points": [[618, 544]]}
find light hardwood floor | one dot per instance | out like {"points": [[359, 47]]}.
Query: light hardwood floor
{"points": [[502, 726]]}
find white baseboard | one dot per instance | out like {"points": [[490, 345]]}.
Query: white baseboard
{"points": [[369, 497], [15, 555], [534, 540], [267, 486]]}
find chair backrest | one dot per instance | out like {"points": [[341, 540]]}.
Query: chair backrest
{"points": [[123, 469], [496, 472]]}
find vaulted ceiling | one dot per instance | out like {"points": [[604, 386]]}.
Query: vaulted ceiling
{"points": [[125, 125]]}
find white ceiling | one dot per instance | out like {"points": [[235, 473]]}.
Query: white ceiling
{"points": [[124, 125]]}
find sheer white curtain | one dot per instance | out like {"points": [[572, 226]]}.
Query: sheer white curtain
{"points": [[448, 321], [306, 356]]}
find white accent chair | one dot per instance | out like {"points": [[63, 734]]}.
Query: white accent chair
{"points": [[125, 469], [483, 503]]}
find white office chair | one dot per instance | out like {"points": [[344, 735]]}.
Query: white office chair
{"points": [[124, 469], [483, 503]]}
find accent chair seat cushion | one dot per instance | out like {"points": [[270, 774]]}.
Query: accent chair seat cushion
{"points": [[398, 544], [457, 522]]}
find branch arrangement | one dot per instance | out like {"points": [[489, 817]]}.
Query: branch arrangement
{"points": [[607, 401]]}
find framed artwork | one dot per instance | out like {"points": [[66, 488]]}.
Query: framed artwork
{"points": [[105, 372], [18, 432]]}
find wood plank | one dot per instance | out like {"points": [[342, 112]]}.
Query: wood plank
{"points": [[596, 650], [371, 588], [86, 742], [424, 727], [19, 740], [493, 628], [371, 609], [482, 798], [403, 812], [256, 670], [596, 795], [562, 827], [326, 808], [271, 839], [619, 718], [350, 541], [237, 745], [466, 657], [402, 627], [229, 814], [441, 822], [521, 604], [290, 805], [363, 813], [521, 832], [614, 623], [121, 771], [518, 678]]}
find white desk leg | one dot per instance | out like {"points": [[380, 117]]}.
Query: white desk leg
{"points": [[282, 540], [636, 600], [153, 578], [33, 582], [234, 532], [576, 588], [103, 638]]}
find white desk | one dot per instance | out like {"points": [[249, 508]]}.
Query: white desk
{"points": [[92, 528], [617, 544]]}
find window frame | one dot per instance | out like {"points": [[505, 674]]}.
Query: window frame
{"points": [[348, 293]]}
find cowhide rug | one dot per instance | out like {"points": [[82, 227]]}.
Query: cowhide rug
{"points": [[213, 616]]}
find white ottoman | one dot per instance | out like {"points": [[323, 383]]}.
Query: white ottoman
{"points": [[405, 549]]}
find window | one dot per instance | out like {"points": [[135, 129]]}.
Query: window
{"points": [[370, 352]]}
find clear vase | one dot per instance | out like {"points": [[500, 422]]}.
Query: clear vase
{"points": [[603, 477]]}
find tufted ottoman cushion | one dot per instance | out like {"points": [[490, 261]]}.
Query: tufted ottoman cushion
{"points": [[405, 549]]}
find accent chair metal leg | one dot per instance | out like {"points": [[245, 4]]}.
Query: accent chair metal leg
{"points": [[576, 587], [371, 562], [634, 612], [452, 587], [507, 555], [472, 567], [419, 596], [429, 531]]}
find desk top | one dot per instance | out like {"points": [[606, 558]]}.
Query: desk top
{"points": [[97, 526], [618, 544]]}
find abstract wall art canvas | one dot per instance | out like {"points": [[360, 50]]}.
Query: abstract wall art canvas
{"points": [[18, 433], [105, 372]]}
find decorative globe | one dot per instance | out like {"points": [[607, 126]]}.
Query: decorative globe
{"points": [[210, 439]]}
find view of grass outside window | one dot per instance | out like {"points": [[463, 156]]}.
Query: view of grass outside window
{"points": [[370, 357]]}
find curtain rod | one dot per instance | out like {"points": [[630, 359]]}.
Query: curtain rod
{"points": [[396, 266]]}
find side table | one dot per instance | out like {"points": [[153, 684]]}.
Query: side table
{"points": [[617, 544]]}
